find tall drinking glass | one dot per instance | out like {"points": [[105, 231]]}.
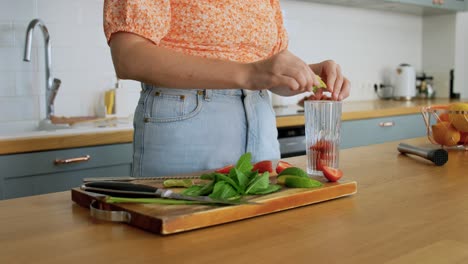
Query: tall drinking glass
{"points": [[322, 127]]}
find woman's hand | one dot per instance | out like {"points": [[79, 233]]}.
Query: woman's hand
{"points": [[331, 74], [284, 74]]}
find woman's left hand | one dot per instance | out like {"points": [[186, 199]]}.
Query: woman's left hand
{"points": [[331, 74]]}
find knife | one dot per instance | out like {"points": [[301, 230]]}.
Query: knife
{"points": [[125, 189], [129, 178]]}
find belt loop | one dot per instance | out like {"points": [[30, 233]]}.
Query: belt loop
{"points": [[208, 94]]}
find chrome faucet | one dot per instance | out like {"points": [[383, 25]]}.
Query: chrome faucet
{"points": [[52, 86]]}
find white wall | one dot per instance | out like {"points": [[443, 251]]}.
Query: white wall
{"points": [[366, 43], [461, 51], [439, 50]]}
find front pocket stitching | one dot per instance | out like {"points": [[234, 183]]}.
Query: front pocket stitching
{"points": [[179, 118]]}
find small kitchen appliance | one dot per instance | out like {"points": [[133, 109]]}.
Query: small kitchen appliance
{"points": [[404, 87], [424, 86]]}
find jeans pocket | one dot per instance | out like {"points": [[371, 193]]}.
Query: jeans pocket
{"points": [[169, 107]]}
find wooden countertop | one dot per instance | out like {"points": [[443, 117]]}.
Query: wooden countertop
{"points": [[286, 117], [406, 211], [64, 141], [353, 110]]}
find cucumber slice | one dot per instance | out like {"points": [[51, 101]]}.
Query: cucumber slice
{"points": [[301, 182]]}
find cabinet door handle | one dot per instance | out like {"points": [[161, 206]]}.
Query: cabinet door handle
{"points": [[387, 124], [72, 160]]}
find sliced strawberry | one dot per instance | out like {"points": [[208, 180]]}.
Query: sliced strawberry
{"points": [[262, 166], [332, 174], [282, 165], [322, 145], [225, 170]]}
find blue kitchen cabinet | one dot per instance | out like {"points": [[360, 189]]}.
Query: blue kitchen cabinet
{"points": [[36, 173], [363, 132], [454, 5]]}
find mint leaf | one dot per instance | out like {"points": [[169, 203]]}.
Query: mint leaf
{"points": [[223, 191], [258, 183], [244, 163]]}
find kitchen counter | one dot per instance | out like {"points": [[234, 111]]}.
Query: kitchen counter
{"points": [[286, 116], [65, 138], [406, 210], [293, 115]]}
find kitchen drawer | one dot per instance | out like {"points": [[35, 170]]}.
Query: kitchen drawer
{"points": [[37, 172], [378, 130]]}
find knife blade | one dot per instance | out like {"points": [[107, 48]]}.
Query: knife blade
{"points": [[125, 189]]}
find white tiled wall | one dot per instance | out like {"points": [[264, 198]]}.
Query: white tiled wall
{"points": [[366, 43], [80, 59]]}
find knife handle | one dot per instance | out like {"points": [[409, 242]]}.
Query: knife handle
{"points": [[121, 189]]}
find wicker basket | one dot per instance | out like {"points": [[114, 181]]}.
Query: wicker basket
{"points": [[440, 113]]}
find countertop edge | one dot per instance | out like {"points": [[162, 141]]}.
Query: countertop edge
{"points": [[55, 142]]}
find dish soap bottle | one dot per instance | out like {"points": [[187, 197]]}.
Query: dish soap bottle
{"points": [[110, 98]]}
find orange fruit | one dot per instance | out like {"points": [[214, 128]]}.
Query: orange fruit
{"points": [[445, 134], [459, 120], [444, 117]]}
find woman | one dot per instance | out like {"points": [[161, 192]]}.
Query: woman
{"points": [[205, 67]]}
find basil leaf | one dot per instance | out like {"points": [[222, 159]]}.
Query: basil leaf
{"points": [[259, 183], [206, 189], [252, 175], [270, 189], [244, 163], [208, 176], [193, 190], [242, 179], [221, 177], [223, 190]]}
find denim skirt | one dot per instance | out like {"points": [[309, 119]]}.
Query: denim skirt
{"points": [[181, 131]]}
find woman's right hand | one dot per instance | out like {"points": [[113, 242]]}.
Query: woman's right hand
{"points": [[283, 74]]}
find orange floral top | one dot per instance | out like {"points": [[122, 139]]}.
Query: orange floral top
{"points": [[235, 30]]}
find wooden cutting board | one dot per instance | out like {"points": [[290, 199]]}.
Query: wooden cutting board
{"points": [[169, 219]]}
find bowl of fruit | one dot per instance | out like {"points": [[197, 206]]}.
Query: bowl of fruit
{"points": [[447, 125]]}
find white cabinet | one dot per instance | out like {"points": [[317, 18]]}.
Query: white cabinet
{"points": [[455, 5], [416, 7]]}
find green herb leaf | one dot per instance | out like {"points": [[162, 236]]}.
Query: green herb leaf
{"points": [[221, 177], [208, 176], [259, 183], [242, 179], [244, 163], [252, 175], [193, 190], [207, 188], [224, 191]]}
